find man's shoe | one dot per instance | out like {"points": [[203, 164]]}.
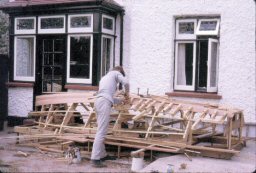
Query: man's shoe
{"points": [[97, 164], [108, 157]]}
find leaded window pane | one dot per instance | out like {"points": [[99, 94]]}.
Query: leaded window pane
{"points": [[80, 22], [208, 26], [52, 23], [107, 23], [186, 28], [23, 24]]}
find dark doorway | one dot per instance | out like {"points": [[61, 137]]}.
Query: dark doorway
{"points": [[3, 89], [51, 64]]}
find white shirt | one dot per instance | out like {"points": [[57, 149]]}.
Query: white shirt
{"points": [[108, 85]]}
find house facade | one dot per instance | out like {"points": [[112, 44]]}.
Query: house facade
{"points": [[195, 50]]}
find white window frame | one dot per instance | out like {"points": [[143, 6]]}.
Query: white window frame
{"points": [[79, 80], [82, 29], [51, 31], [24, 78], [24, 31], [112, 52], [209, 88], [108, 31], [185, 36], [213, 32], [185, 87]]}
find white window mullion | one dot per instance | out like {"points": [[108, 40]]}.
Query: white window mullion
{"points": [[212, 74]]}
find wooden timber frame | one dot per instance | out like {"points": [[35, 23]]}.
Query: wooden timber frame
{"points": [[155, 123]]}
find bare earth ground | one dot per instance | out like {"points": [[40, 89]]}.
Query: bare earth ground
{"points": [[47, 162], [39, 161]]}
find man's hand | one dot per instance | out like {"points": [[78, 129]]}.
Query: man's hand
{"points": [[127, 99]]}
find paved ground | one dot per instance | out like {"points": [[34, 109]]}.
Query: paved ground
{"points": [[50, 162], [244, 162]]}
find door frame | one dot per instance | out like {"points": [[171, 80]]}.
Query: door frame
{"points": [[38, 68]]}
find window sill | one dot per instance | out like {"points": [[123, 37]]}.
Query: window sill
{"points": [[19, 84], [82, 87], [194, 95]]}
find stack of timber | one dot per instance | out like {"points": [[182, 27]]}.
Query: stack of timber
{"points": [[155, 123]]}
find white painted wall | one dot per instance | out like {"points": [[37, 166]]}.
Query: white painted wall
{"points": [[20, 101], [149, 47]]}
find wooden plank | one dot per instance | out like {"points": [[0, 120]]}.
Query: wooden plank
{"points": [[143, 106], [176, 110], [167, 108], [68, 116]]}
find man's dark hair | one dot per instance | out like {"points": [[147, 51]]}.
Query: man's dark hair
{"points": [[120, 69]]}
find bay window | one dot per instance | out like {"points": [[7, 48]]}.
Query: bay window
{"points": [[196, 55]]}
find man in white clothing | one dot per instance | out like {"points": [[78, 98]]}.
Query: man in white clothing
{"points": [[105, 100]]}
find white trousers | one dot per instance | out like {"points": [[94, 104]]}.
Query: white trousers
{"points": [[103, 108]]}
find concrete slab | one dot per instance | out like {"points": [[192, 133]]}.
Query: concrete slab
{"points": [[244, 162]]}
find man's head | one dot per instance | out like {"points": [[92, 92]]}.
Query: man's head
{"points": [[120, 69]]}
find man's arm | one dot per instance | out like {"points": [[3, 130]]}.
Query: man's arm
{"points": [[125, 83]]}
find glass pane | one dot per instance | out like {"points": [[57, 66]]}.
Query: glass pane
{"points": [[58, 45], [58, 59], [107, 23], [213, 73], [202, 64], [23, 24], [106, 57], [47, 73], [208, 26], [57, 73], [25, 57], [80, 22], [46, 86], [52, 23], [186, 28], [185, 64], [48, 59], [80, 57], [48, 45]]}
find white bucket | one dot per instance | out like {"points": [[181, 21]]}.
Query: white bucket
{"points": [[137, 164]]}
